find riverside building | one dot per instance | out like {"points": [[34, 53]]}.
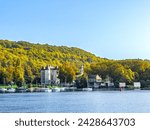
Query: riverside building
{"points": [[49, 75]]}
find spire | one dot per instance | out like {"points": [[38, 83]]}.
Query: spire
{"points": [[82, 70]]}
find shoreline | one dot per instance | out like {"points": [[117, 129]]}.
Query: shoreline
{"points": [[67, 89]]}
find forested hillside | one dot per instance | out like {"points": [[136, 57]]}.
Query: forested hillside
{"points": [[20, 62]]}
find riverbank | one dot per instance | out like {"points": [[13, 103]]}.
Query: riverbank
{"points": [[61, 89]]}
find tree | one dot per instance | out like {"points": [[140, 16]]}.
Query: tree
{"points": [[28, 75], [120, 74], [100, 69], [81, 82], [19, 76], [67, 73]]}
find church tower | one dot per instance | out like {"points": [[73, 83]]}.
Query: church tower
{"points": [[82, 70]]}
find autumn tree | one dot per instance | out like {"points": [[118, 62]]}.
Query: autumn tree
{"points": [[67, 73]]}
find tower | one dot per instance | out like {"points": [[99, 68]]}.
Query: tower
{"points": [[82, 70], [49, 75]]}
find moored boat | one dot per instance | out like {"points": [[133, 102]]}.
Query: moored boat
{"points": [[10, 90], [21, 90], [42, 90], [46, 90], [56, 90], [62, 89], [87, 89], [2, 90]]}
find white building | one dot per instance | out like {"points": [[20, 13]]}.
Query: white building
{"points": [[137, 85], [49, 75], [122, 84], [108, 82]]}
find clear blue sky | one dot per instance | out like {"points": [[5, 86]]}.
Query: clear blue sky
{"points": [[115, 29]]}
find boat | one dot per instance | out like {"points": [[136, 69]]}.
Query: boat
{"points": [[42, 90], [87, 89], [10, 90], [2, 90], [56, 90], [62, 89], [45, 90], [21, 90]]}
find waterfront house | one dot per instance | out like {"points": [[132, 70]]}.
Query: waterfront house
{"points": [[108, 82], [122, 85], [49, 75], [94, 81], [137, 85]]}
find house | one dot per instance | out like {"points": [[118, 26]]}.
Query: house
{"points": [[94, 81], [137, 85], [122, 85], [108, 82], [49, 75]]}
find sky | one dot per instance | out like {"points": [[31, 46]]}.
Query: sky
{"points": [[114, 29]]}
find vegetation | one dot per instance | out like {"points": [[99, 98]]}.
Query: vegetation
{"points": [[8, 86], [81, 82], [20, 63]]}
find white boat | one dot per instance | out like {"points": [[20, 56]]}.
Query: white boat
{"points": [[43, 90], [87, 89], [56, 90], [62, 89], [10, 90], [46, 90], [2, 90]]}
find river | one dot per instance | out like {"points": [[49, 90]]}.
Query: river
{"points": [[81, 102]]}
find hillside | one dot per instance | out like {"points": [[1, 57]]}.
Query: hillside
{"points": [[47, 53], [20, 62]]}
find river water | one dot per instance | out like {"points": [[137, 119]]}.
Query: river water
{"points": [[80, 102]]}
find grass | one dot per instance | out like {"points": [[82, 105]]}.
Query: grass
{"points": [[3, 86], [7, 86], [32, 86]]}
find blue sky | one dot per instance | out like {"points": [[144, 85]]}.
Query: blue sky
{"points": [[115, 29]]}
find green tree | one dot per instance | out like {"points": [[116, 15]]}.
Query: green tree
{"points": [[120, 74], [81, 82], [67, 73]]}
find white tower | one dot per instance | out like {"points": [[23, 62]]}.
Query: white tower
{"points": [[49, 75], [82, 70]]}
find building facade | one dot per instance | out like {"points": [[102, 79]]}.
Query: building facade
{"points": [[122, 84], [137, 85], [108, 82], [94, 81], [49, 75]]}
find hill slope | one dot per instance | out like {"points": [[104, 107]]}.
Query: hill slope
{"points": [[47, 53], [20, 62]]}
